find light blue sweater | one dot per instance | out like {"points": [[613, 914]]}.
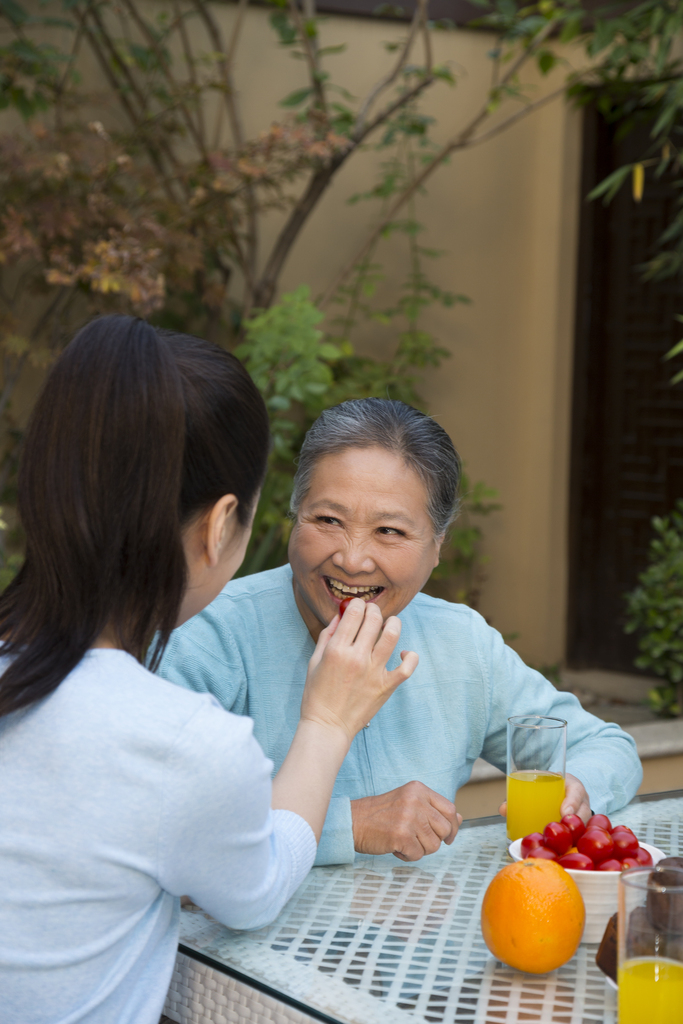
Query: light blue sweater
{"points": [[250, 648], [118, 794]]}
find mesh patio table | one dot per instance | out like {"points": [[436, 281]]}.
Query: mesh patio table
{"points": [[383, 942]]}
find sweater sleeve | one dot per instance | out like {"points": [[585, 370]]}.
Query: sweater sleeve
{"points": [[599, 753], [219, 842], [336, 841]]}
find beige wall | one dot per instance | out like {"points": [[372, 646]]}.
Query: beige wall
{"points": [[505, 214]]}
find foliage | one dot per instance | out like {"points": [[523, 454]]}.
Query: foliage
{"points": [[655, 609], [641, 82], [462, 561]]}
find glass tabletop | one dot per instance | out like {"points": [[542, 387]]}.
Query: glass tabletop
{"points": [[384, 942]]}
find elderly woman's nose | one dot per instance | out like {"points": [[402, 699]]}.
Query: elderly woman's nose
{"points": [[354, 557]]}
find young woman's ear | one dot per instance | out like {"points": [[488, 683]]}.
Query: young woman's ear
{"points": [[220, 528]]}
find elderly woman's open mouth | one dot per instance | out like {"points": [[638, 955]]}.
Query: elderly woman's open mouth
{"points": [[340, 590]]}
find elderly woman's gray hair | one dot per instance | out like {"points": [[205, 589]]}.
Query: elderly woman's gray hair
{"points": [[398, 428]]}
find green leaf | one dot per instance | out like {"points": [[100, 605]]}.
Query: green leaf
{"points": [[297, 97], [570, 29], [610, 185], [546, 61], [285, 29], [677, 348], [14, 12]]}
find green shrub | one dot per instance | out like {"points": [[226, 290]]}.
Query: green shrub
{"points": [[655, 610]]}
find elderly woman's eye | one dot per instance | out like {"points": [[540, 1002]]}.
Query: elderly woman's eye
{"points": [[328, 520], [389, 531]]}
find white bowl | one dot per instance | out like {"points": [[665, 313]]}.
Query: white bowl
{"points": [[599, 891]]}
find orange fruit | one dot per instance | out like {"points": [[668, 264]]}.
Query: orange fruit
{"points": [[532, 916]]}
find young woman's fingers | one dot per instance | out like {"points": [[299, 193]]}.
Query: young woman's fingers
{"points": [[325, 636], [405, 669], [388, 639], [370, 630], [351, 622]]}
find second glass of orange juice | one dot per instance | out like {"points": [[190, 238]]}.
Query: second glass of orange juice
{"points": [[537, 749], [650, 928]]}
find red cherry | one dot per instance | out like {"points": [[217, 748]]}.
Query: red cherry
{"points": [[629, 862], [596, 844], [345, 604], [542, 853], [600, 821], [642, 856], [531, 842], [575, 826], [609, 865], [576, 862], [622, 828], [557, 837], [625, 844]]}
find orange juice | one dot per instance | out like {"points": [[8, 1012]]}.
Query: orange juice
{"points": [[651, 990], [534, 799]]}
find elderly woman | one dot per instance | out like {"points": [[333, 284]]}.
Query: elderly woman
{"points": [[374, 493]]}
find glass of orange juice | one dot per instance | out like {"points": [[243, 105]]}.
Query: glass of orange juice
{"points": [[537, 751], [650, 936]]}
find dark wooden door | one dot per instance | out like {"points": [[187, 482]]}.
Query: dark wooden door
{"points": [[627, 441]]}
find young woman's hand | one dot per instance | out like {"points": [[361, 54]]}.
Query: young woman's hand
{"points": [[347, 681]]}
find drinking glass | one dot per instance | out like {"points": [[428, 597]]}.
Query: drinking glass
{"points": [[650, 937], [537, 751]]}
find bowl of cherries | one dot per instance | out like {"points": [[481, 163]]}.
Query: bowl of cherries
{"points": [[594, 855]]}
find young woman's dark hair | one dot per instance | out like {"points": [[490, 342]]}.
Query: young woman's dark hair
{"points": [[136, 432]]}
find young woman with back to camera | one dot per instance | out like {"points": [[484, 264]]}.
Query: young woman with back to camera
{"points": [[119, 791]]}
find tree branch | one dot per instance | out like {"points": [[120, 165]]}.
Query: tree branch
{"points": [[463, 140], [529, 52], [418, 19], [12, 377], [189, 60], [402, 100], [265, 290], [136, 118], [59, 91], [310, 55], [11, 381], [427, 40], [225, 62], [519, 116], [168, 75], [115, 59]]}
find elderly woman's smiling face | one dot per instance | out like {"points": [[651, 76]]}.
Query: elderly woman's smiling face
{"points": [[362, 531]]}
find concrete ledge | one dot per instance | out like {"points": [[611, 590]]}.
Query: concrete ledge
{"points": [[482, 771], [657, 739], [613, 685]]}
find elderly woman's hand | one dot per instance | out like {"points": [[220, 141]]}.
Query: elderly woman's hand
{"points": [[409, 822], [576, 799]]}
